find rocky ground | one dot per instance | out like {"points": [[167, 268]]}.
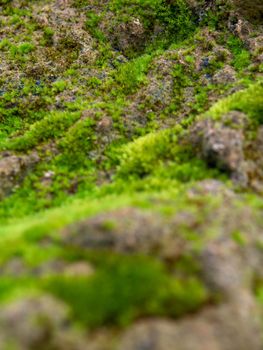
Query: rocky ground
{"points": [[131, 175]]}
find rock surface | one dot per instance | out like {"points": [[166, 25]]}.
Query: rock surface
{"points": [[13, 169], [37, 322], [223, 328]]}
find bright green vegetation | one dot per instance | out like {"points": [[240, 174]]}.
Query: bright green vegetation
{"points": [[161, 154], [176, 19], [109, 297], [110, 120], [249, 101], [241, 56]]}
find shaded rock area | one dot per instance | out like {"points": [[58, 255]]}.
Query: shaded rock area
{"points": [[221, 144]]}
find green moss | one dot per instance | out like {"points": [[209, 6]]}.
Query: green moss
{"points": [[5, 44], [53, 125], [48, 36], [11, 287], [17, 52], [239, 238], [131, 288], [176, 22], [59, 85], [129, 76], [22, 49], [162, 156], [92, 25], [78, 142], [241, 56], [146, 153], [248, 101]]}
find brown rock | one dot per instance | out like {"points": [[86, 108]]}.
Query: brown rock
{"points": [[104, 125], [129, 36], [226, 327], [221, 144], [39, 322], [79, 269], [125, 230], [13, 169], [226, 75]]}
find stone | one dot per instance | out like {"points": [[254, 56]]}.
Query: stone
{"points": [[37, 322], [229, 326], [13, 170], [221, 144], [126, 230], [226, 75]]}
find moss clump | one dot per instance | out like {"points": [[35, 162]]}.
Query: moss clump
{"points": [[174, 20], [77, 144], [163, 156], [49, 127], [241, 56], [248, 101], [131, 75], [126, 290]]}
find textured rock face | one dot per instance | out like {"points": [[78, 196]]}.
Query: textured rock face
{"points": [[227, 75], [127, 230], [227, 327], [37, 323], [13, 169], [222, 143]]}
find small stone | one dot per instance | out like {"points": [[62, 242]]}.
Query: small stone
{"points": [[221, 144], [49, 174], [104, 124], [13, 170]]}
